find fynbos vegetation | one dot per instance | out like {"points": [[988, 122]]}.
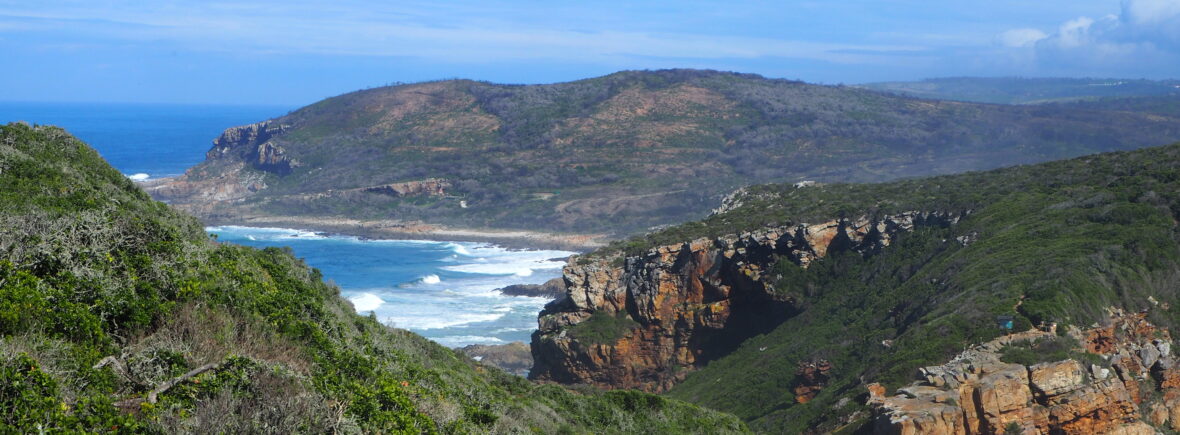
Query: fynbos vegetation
{"points": [[616, 154], [119, 314]]}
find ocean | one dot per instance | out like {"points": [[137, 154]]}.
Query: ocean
{"points": [[443, 290]]}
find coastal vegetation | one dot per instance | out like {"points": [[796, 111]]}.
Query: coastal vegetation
{"points": [[119, 314], [1057, 242], [618, 154]]}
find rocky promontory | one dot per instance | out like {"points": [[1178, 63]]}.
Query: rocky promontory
{"points": [[552, 289], [1129, 385], [644, 322]]}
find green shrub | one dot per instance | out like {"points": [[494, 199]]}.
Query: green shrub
{"points": [[603, 328]]}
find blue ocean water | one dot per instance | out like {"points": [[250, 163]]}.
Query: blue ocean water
{"points": [[160, 140], [442, 290]]}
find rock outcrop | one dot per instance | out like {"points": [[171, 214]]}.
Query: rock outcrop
{"points": [[692, 302], [553, 289], [977, 393], [810, 378], [511, 357], [203, 187], [255, 144], [427, 187]]}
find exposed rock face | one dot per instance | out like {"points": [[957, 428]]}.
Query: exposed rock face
{"points": [[976, 393], [428, 187], [227, 185], [513, 357], [693, 302], [810, 378], [254, 144]]}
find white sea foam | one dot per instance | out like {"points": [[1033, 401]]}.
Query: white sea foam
{"points": [[366, 302], [427, 321], [448, 295], [459, 249], [521, 267], [139, 176], [463, 340], [266, 233]]}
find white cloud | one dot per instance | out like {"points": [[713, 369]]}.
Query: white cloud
{"points": [[1020, 37], [1149, 12], [1144, 35]]}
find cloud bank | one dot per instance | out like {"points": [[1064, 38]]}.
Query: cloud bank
{"points": [[1143, 36]]}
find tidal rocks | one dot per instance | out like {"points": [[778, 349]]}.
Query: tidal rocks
{"points": [[553, 289]]}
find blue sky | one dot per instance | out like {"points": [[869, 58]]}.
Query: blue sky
{"points": [[299, 51]]}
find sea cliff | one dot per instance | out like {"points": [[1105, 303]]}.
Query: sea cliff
{"points": [[645, 321]]}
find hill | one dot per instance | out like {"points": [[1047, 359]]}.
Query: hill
{"points": [[784, 305], [119, 314], [1015, 90], [612, 155]]}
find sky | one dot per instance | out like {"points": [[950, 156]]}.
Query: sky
{"points": [[296, 52]]}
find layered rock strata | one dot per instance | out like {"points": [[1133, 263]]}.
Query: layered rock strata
{"points": [[256, 145], [427, 187], [691, 302], [1133, 389]]}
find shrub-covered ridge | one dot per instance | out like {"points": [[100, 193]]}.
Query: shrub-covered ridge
{"points": [[1056, 242], [107, 296]]}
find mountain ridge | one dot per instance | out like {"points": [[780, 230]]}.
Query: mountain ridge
{"points": [[613, 155]]}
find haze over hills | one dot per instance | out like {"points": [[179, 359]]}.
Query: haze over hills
{"points": [[1016, 90], [614, 155], [785, 305]]}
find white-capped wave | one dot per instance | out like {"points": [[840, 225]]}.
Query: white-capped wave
{"points": [[139, 176], [463, 340], [459, 249], [427, 320], [265, 233], [366, 302], [430, 279]]}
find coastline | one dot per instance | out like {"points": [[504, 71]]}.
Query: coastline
{"points": [[395, 230], [388, 228]]}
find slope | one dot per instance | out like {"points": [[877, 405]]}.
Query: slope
{"points": [[119, 314], [616, 154], [886, 278]]}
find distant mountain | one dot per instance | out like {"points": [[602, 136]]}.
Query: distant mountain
{"points": [[1014, 90], [118, 314], [616, 154], [786, 305]]}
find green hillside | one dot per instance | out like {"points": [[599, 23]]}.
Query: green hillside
{"points": [[616, 154], [1055, 242], [108, 299]]}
